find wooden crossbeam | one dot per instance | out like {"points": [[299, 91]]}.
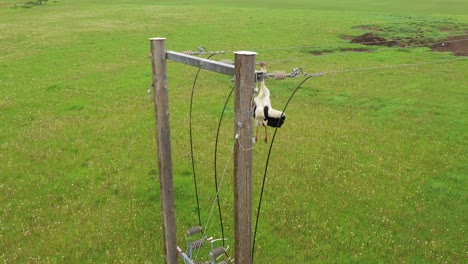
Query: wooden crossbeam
{"points": [[206, 64]]}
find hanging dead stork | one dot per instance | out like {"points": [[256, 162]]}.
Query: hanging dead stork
{"points": [[263, 113]]}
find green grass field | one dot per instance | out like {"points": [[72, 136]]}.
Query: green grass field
{"points": [[371, 166]]}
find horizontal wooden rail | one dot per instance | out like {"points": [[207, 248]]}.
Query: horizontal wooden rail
{"points": [[210, 65]]}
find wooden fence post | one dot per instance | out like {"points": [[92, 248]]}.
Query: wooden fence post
{"points": [[163, 138], [243, 155]]}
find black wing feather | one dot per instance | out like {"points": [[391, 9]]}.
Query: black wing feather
{"points": [[273, 121]]}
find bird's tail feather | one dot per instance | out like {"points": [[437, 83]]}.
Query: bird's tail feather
{"points": [[274, 117], [276, 122]]}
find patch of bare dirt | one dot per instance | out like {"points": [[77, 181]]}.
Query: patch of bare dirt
{"points": [[458, 45], [371, 39]]}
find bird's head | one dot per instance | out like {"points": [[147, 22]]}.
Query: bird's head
{"points": [[262, 67]]}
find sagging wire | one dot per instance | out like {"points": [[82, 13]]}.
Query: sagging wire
{"points": [[394, 66], [215, 164], [267, 163], [202, 50], [298, 71], [218, 186], [191, 144]]}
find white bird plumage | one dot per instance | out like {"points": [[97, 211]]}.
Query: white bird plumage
{"points": [[264, 114]]}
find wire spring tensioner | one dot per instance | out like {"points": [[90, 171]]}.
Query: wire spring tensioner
{"points": [[277, 75], [280, 75], [192, 244]]}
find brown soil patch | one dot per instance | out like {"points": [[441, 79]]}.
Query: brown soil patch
{"points": [[372, 40], [458, 45]]}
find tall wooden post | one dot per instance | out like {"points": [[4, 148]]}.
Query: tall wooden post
{"points": [[163, 138], [244, 87]]}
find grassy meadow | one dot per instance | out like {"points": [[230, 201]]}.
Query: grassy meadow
{"points": [[371, 165]]}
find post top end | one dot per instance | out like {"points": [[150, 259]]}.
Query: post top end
{"points": [[157, 38], [245, 53]]}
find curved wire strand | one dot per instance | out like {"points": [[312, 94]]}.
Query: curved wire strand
{"points": [[191, 144], [215, 165], [215, 157], [266, 167]]}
